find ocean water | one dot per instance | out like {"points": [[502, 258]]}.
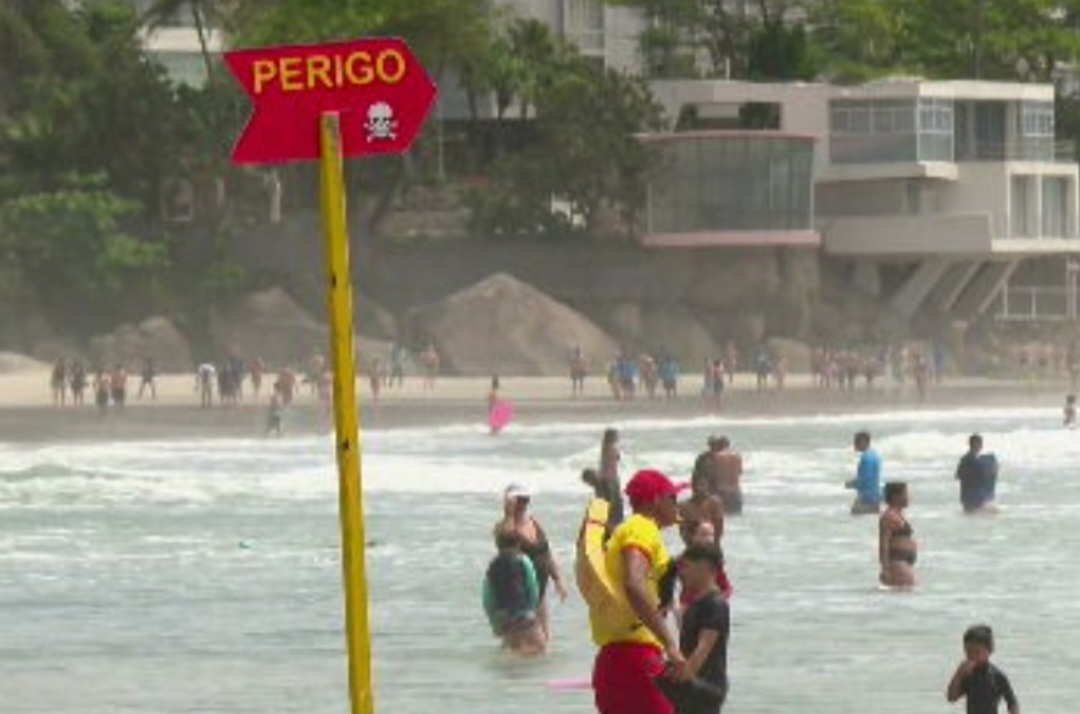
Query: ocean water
{"points": [[203, 576]]}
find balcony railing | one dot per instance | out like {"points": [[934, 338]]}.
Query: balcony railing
{"points": [[1041, 150], [1036, 304], [589, 42]]}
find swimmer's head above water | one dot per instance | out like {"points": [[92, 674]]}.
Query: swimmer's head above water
{"points": [[896, 494], [979, 643]]}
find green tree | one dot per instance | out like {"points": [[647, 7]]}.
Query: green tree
{"points": [[205, 14], [586, 154], [991, 39], [83, 267], [93, 104], [681, 33]]}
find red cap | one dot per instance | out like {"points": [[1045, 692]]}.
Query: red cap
{"points": [[648, 486]]}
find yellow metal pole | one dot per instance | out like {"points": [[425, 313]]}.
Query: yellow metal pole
{"points": [[346, 415]]}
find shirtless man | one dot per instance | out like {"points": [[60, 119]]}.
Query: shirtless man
{"points": [[703, 506], [729, 468]]}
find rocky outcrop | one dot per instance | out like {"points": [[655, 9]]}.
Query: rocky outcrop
{"points": [[799, 356], [269, 325], [373, 320], [673, 329], [14, 363], [155, 338], [53, 348], [504, 326]]}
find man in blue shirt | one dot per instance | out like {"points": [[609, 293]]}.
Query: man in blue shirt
{"points": [[867, 481], [977, 473]]}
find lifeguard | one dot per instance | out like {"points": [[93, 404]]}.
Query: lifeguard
{"points": [[332, 70], [631, 633]]}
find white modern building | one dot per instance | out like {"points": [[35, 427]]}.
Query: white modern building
{"points": [[936, 193], [599, 29], [174, 43], [606, 33]]}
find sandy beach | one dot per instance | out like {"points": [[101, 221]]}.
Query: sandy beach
{"points": [[27, 413]]}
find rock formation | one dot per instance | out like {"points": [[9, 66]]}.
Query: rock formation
{"points": [[155, 338], [504, 326], [269, 325], [14, 363]]}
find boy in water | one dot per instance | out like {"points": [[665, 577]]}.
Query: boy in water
{"points": [[1070, 410], [982, 683], [703, 639], [512, 597], [274, 415]]}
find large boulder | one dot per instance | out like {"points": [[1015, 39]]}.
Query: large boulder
{"points": [[373, 320], [156, 339], [663, 328], [799, 355], [732, 279], [269, 325], [503, 325], [51, 349], [13, 363]]}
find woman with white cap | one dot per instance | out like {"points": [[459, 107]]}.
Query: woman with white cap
{"points": [[534, 544]]}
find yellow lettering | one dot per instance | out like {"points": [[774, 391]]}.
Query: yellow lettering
{"points": [[318, 67], [383, 70], [292, 74], [263, 71], [339, 71], [366, 73]]}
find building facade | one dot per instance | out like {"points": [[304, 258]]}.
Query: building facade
{"points": [[731, 189], [174, 42], [936, 193]]}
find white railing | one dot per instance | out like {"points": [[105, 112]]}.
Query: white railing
{"points": [[588, 41], [1036, 304]]}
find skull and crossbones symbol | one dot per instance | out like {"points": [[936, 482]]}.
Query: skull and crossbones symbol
{"points": [[381, 124]]}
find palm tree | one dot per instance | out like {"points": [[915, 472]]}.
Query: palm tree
{"points": [[535, 50]]}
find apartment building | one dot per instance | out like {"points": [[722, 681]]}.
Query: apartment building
{"points": [[937, 194], [174, 42]]}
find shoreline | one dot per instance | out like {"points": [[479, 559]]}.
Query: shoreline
{"points": [[26, 416]]}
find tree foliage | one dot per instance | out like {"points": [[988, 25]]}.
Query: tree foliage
{"points": [[75, 254], [586, 154], [91, 133], [991, 39]]}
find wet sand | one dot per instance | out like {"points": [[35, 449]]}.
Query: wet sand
{"points": [[27, 414]]}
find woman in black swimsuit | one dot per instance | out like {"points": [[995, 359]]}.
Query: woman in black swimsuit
{"points": [[534, 544], [897, 549]]}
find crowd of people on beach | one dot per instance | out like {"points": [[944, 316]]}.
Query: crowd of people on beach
{"points": [[662, 626], [658, 374], [70, 379]]}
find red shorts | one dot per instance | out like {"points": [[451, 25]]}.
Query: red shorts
{"points": [[623, 680]]}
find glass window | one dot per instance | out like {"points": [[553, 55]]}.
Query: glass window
{"points": [[1055, 220], [936, 130], [872, 131], [1036, 119], [732, 184], [1023, 206], [935, 115]]}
